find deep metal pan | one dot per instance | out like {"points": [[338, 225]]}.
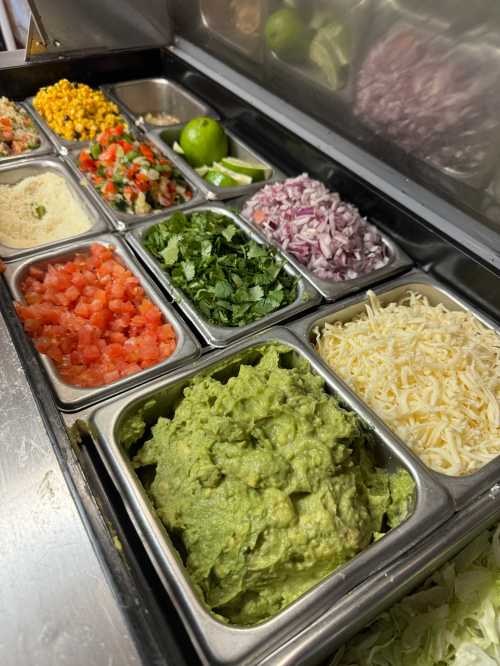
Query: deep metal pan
{"points": [[121, 220], [237, 148], [157, 95], [13, 172], [220, 336], [463, 489], [61, 144], [360, 607], [219, 643], [45, 146], [73, 398], [399, 262]]}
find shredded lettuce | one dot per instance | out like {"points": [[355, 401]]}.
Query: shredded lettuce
{"points": [[452, 620]]}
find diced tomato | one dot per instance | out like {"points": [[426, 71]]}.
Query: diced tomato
{"points": [[108, 156], [146, 151], [143, 182], [117, 130], [87, 163], [109, 188], [127, 147], [90, 316]]}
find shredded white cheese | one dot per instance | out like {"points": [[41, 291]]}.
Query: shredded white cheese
{"points": [[39, 209], [432, 374]]}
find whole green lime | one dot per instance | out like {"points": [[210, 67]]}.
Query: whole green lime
{"points": [[203, 141], [286, 33]]}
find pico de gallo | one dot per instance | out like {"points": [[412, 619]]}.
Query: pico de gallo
{"points": [[132, 176], [18, 133], [91, 317]]}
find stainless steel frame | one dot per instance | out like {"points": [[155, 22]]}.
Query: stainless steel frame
{"points": [[237, 148], [463, 489], [14, 172], [399, 262], [45, 146], [120, 220], [165, 95], [72, 398], [220, 336], [218, 643]]}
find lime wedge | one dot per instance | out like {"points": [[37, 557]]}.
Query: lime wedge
{"points": [[240, 178], [178, 148], [256, 171], [220, 179], [202, 171]]}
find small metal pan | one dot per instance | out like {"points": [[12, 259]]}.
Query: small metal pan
{"points": [[73, 398], [220, 336], [45, 146], [218, 643]]}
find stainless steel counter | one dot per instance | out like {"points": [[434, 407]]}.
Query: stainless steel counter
{"points": [[56, 606]]}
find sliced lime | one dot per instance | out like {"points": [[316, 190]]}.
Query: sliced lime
{"points": [[256, 171], [240, 178], [220, 179], [178, 148], [202, 171]]}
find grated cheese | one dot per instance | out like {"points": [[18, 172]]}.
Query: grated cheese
{"points": [[432, 374], [39, 209]]}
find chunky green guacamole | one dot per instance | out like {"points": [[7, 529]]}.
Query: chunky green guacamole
{"points": [[268, 484]]}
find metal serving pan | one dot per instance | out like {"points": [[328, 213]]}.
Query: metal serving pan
{"points": [[463, 489], [72, 398], [219, 643], [12, 173], [399, 262], [156, 95], [164, 138], [220, 336], [61, 145], [357, 609], [121, 220], [45, 146]]}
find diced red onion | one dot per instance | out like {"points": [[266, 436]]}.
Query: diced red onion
{"points": [[323, 233]]}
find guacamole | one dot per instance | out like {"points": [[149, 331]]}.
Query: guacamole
{"points": [[267, 485]]}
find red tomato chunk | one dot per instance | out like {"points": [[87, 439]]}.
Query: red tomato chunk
{"points": [[91, 318]]}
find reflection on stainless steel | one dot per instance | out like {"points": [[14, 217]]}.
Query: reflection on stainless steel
{"points": [[465, 488], [224, 644], [237, 23], [56, 607]]}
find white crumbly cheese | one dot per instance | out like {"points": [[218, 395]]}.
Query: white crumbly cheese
{"points": [[39, 209], [432, 374]]}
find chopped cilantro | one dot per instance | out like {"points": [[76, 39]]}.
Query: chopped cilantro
{"points": [[40, 211], [231, 279]]}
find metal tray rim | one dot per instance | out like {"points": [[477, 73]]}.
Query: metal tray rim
{"points": [[72, 398], [220, 336], [433, 506]]}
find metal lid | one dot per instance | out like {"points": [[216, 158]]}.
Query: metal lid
{"points": [[59, 27]]}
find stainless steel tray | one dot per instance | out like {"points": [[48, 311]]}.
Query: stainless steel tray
{"points": [[155, 95], [356, 610], [121, 220], [12, 173], [45, 146], [72, 398], [463, 489], [399, 262], [220, 643], [220, 336], [62, 145], [237, 148]]}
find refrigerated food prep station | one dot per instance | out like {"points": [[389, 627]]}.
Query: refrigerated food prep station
{"points": [[89, 573]]}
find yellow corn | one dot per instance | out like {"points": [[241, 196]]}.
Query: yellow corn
{"points": [[75, 111]]}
